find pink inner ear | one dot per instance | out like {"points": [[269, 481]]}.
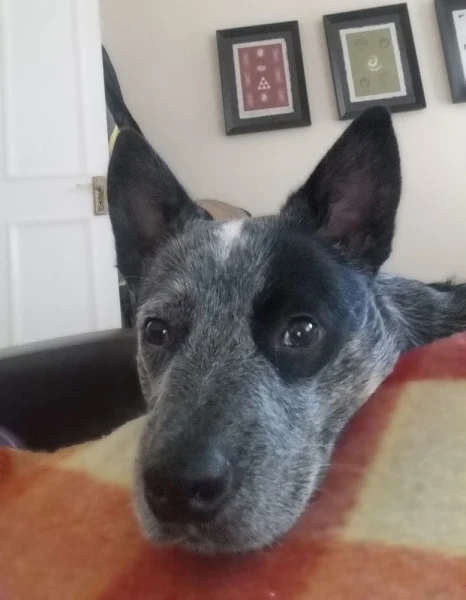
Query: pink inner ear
{"points": [[148, 220], [349, 212]]}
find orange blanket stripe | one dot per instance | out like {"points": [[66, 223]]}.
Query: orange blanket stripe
{"points": [[389, 522]]}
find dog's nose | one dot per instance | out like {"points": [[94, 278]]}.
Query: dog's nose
{"points": [[189, 489]]}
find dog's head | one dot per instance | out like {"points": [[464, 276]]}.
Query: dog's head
{"points": [[258, 339]]}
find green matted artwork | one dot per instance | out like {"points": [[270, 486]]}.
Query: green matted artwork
{"points": [[373, 60]]}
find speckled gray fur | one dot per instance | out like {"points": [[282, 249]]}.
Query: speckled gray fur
{"points": [[279, 430]]}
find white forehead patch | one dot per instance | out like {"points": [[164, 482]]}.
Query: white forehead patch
{"points": [[229, 235]]}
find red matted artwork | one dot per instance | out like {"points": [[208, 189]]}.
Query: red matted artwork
{"points": [[263, 82], [262, 75]]}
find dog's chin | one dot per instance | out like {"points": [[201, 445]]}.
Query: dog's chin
{"points": [[209, 539], [228, 533]]}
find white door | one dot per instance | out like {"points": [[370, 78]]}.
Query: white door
{"points": [[57, 274]]}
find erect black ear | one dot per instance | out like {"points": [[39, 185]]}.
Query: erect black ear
{"points": [[147, 204], [353, 195]]}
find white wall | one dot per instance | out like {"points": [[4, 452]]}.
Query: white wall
{"points": [[164, 52]]}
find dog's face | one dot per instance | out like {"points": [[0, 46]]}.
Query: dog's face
{"points": [[258, 339]]}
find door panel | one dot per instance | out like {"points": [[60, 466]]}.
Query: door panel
{"points": [[57, 261]]}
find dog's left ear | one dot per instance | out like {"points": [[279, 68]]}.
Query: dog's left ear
{"points": [[352, 197]]}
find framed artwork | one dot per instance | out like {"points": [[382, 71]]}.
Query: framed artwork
{"points": [[262, 77], [451, 16], [373, 60]]}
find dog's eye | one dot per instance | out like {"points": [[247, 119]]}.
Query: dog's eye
{"points": [[156, 332], [300, 333]]}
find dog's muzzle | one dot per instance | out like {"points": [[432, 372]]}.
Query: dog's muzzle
{"points": [[190, 485]]}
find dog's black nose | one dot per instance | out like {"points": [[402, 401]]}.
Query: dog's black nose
{"points": [[188, 489]]}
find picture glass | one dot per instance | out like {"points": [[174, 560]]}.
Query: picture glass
{"points": [[372, 62], [262, 75], [459, 19]]}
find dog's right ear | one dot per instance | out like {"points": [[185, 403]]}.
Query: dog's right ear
{"points": [[147, 204]]}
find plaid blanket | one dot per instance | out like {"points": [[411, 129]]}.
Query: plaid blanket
{"points": [[389, 522]]}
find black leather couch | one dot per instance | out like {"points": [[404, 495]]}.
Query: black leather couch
{"points": [[70, 390]]}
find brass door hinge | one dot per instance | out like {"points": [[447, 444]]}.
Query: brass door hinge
{"points": [[99, 190]]}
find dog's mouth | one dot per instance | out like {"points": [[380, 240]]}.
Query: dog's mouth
{"points": [[220, 535], [254, 516], [190, 537], [199, 539], [228, 532], [239, 528], [212, 539]]}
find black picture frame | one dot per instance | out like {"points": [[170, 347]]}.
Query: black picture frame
{"points": [[456, 65], [395, 18], [239, 118]]}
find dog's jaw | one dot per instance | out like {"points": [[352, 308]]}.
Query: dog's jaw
{"points": [[220, 537]]}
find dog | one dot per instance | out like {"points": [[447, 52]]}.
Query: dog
{"points": [[259, 339]]}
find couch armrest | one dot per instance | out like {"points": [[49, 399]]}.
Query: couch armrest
{"points": [[66, 391]]}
